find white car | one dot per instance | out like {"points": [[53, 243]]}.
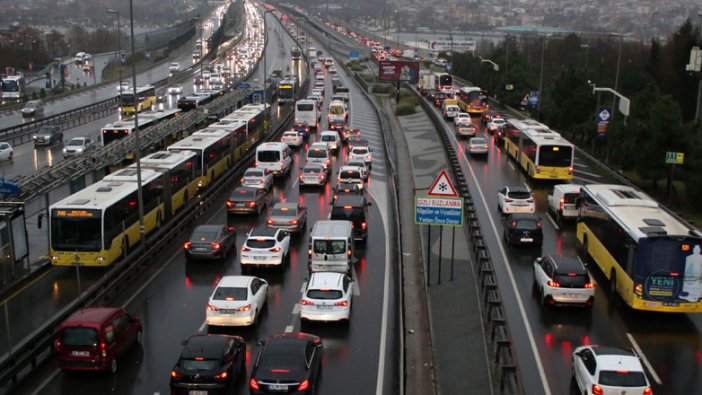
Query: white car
{"points": [[327, 297], [516, 199], [236, 301], [365, 171], [462, 118], [331, 137], [257, 178], [363, 153], [313, 174], [175, 89], [206, 74], [6, 152], [265, 247], [174, 67], [563, 280], [78, 145], [609, 371], [350, 175], [124, 86], [292, 138], [495, 124]]}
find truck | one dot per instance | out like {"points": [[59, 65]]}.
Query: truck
{"points": [[409, 54], [428, 83]]}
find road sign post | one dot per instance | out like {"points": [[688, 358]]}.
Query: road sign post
{"points": [[672, 159]]}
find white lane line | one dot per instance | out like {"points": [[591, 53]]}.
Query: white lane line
{"points": [[644, 359], [510, 164], [304, 285], [520, 304], [289, 329], [296, 309], [555, 225], [46, 382], [354, 276], [202, 327], [587, 173], [384, 320], [153, 276]]}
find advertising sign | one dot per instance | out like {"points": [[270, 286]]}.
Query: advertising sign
{"points": [[447, 45], [604, 115], [398, 70]]}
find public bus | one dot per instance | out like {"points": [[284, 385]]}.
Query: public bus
{"points": [[287, 89], [473, 100], [213, 149], [541, 152], [181, 172], [124, 127], [445, 83], [12, 88], [99, 224], [145, 99], [652, 259]]}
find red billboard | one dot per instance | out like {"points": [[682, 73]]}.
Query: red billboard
{"points": [[398, 70]]}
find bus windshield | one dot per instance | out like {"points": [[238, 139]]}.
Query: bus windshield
{"points": [[127, 99], [555, 155], [285, 91], [76, 233], [10, 85]]}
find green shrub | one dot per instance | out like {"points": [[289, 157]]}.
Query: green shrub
{"points": [[42, 93], [367, 77], [383, 88], [405, 108], [406, 94]]}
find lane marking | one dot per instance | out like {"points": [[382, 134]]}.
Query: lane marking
{"points": [[46, 382], [644, 359], [513, 283], [201, 329], [296, 309], [588, 173], [510, 164], [289, 329], [384, 320], [24, 288], [553, 222]]}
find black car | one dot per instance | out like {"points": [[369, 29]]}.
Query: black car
{"points": [[523, 228], [210, 242], [342, 189], [209, 364], [354, 209], [245, 200], [288, 363], [48, 135]]}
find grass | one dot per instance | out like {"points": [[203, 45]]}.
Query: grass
{"points": [[383, 88], [406, 107]]}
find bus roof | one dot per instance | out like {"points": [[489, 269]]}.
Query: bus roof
{"points": [[637, 212], [107, 191], [539, 133], [194, 142], [144, 118], [165, 159], [217, 133]]}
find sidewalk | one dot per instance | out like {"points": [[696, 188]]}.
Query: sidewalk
{"points": [[460, 364]]}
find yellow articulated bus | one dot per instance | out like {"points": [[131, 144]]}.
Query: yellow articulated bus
{"points": [[145, 99], [97, 225], [182, 176], [541, 152], [653, 260], [213, 150], [246, 125]]}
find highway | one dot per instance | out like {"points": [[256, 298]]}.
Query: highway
{"points": [[172, 298]]}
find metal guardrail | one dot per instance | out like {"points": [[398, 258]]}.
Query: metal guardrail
{"points": [[503, 365]]}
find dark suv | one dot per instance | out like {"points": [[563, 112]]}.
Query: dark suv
{"points": [[48, 135], [523, 228], [355, 209]]}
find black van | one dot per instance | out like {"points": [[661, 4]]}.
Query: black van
{"points": [[355, 209]]}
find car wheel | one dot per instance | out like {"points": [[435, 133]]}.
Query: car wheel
{"points": [[113, 365], [12, 154]]}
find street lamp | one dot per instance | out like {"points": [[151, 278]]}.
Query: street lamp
{"points": [[202, 49], [265, 64], [137, 153], [495, 67], [541, 77], [119, 46]]}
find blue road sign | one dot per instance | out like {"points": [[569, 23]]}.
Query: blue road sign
{"points": [[8, 188], [354, 55], [430, 210]]}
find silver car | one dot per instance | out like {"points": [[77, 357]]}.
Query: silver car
{"points": [[33, 108], [477, 146], [288, 216], [78, 145], [313, 174]]}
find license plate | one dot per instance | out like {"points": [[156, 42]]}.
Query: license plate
{"points": [[227, 311], [278, 387], [526, 240], [241, 204], [197, 392], [324, 307], [259, 258], [80, 353], [199, 249]]}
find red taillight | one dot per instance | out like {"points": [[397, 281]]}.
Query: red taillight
{"points": [[309, 252], [303, 386], [648, 391], [263, 180], [570, 171], [230, 203], [597, 390], [562, 203], [221, 376], [103, 349], [269, 222], [342, 303], [187, 245], [553, 284], [348, 252], [508, 200], [244, 248], [590, 285], [275, 249], [364, 225], [293, 221], [245, 309], [215, 245], [302, 176], [242, 180], [211, 308], [281, 164], [538, 169], [250, 204], [175, 374], [306, 302], [472, 146], [253, 384]]}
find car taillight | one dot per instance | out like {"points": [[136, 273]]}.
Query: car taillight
{"points": [[245, 309], [553, 284], [175, 374], [244, 248], [230, 203], [590, 285], [302, 176], [281, 165], [597, 390], [341, 303], [293, 221], [269, 222], [263, 179], [306, 302], [309, 252], [187, 245], [275, 249], [648, 391], [472, 146], [508, 200], [211, 308], [242, 180], [250, 204], [221, 376], [570, 171], [253, 384], [348, 252], [103, 349], [530, 200], [215, 245], [303, 385], [562, 203], [363, 225]]}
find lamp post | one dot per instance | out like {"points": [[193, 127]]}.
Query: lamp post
{"points": [[202, 49], [119, 46], [541, 78], [137, 153], [699, 83], [265, 65], [495, 67]]}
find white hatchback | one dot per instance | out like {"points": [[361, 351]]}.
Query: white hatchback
{"points": [[563, 280], [609, 371], [363, 153], [515, 199], [257, 178], [291, 138], [350, 175], [327, 297], [236, 301], [265, 247]]}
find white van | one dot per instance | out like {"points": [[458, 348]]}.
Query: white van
{"points": [[331, 246], [275, 157], [337, 116], [306, 114], [319, 154]]}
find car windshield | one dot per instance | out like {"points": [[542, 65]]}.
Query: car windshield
{"points": [[79, 336], [572, 280], [317, 153], [282, 356], [230, 293], [336, 109], [527, 224], [479, 140], [325, 294], [31, 105], [204, 235], [350, 174], [199, 364], [519, 195], [328, 137], [268, 156], [622, 378], [75, 142], [260, 242], [570, 197], [498, 121], [290, 135]]}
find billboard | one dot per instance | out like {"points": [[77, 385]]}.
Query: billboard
{"points": [[447, 45], [398, 70]]}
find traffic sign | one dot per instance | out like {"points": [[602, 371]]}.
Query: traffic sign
{"points": [[674, 158], [8, 188], [443, 186], [429, 210]]}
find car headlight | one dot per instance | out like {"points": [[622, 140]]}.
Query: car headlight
{"points": [[65, 151], [79, 150]]}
